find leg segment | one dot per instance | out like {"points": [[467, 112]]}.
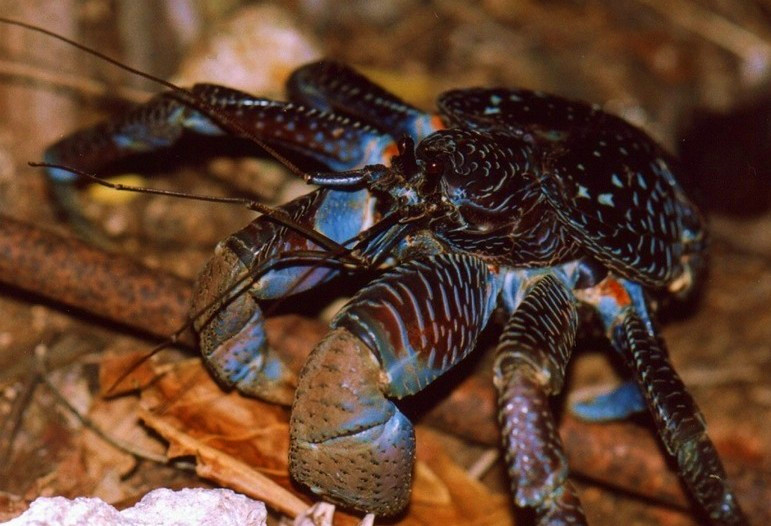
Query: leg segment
{"points": [[334, 87], [678, 420], [338, 142], [620, 403], [231, 330], [530, 363], [348, 441], [624, 311]]}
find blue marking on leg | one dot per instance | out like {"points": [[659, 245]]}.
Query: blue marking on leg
{"points": [[620, 403], [279, 283], [242, 351], [422, 317], [374, 150], [422, 125], [246, 361], [343, 214], [200, 123]]}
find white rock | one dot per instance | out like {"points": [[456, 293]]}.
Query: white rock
{"points": [[188, 507]]}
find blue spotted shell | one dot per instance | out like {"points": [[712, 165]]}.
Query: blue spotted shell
{"points": [[609, 183]]}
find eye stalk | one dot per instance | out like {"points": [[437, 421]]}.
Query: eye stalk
{"points": [[406, 157]]}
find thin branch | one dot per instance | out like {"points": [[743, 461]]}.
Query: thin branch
{"points": [[715, 28], [40, 353], [72, 81], [482, 465]]}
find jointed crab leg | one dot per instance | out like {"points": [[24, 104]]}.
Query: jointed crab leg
{"points": [[338, 142], [348, 441], [529, 367], [625, 315], [232, 332], [335, 87], [678, 419]]}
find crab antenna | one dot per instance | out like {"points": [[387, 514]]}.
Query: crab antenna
{"points": [[185, 95], [275, 214]]}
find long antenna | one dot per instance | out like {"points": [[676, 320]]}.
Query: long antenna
{"points": [[230, 124], [274, 214], [185, 95]]}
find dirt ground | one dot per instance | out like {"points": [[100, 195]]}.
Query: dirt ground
{"points": [[694, 74]]}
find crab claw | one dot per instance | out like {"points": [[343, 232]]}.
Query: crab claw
{"points": [[231, 331], [348, 442]]}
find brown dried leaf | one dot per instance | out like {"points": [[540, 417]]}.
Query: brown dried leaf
{"points": [[223, 468], [105, 463], [255, 432], [445, 494], [242, 443], [115, 381]]}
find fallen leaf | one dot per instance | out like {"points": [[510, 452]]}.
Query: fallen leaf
{"points": [[255, 432], [125, 372], [243, 443], [470, 502]]}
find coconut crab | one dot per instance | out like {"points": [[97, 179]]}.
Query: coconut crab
{"points": [[507, 199]]}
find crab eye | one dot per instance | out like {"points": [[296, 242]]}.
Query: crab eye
{"points": [[434, 168]]}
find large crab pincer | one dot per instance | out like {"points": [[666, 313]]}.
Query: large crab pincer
{"points": [[508, 199]]}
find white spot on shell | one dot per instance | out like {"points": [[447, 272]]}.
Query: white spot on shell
{"points": [[605, 199]]}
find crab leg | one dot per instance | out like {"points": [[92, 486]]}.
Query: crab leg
{"points": [[529, 367], [339, 142], [335, 87], [677, 417], [229, 321], [249, 266], [348, 441]]}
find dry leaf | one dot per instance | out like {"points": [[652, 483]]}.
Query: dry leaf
{"points": [[469, 503], [225, 469], [242, 444], [106, 464], [255, 432], [125, 372]]}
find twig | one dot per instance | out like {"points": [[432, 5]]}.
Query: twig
{"points": [[40, 353], [85, 86], [483, 464], [111, 286], [712, 27], [12, 423]]}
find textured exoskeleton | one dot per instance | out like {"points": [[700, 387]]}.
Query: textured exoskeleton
{"points": [[508, 199]]}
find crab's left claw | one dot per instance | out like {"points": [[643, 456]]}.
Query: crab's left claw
{"points": [[349, 443]]}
